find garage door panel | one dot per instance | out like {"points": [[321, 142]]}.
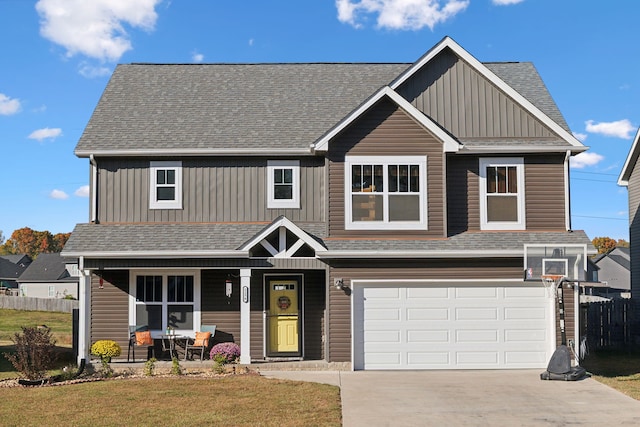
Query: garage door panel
{"points": [[472, 292], [471, 313], [476, 336], [415, 326]]}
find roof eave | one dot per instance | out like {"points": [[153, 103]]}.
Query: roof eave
{"points": [[485, 149], [630, 162], [275, 152], [157, 254], [421, 254]]}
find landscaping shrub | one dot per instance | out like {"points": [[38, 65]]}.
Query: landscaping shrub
{"points": [[225, 352], [105, 350], [35, 352]]}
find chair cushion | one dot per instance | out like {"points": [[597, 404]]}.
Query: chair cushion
{"points": [[144, 338], [202, 339]]}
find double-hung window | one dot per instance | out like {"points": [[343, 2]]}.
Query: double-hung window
{"points": [[165, 187], [385, 192], [502, 194], [166, 300], [283, 181]]}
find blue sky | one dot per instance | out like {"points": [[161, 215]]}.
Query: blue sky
{"points": [[57, 56]]}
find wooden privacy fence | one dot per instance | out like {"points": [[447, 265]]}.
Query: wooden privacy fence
{"points": [[610, 324], [38, 304]]}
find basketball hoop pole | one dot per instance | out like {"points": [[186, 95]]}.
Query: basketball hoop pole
{"points": [[556, 282]]}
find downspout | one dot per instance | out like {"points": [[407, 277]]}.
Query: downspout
{"points": [[567, 191], [94, 188]]}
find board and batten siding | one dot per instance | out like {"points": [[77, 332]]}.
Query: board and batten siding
{"points": [[461, 100], [217, 309], [214, 190], [544, 193], [386, 130], [633, 190], [339, 307]]}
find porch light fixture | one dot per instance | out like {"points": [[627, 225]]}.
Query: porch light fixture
{"points": [[228, 287], [338, 283]]}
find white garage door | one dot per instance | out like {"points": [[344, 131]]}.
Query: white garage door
{"points": [[453, 326]]}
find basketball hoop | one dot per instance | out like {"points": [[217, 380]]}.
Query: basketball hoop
{"points": [[550, 282]]}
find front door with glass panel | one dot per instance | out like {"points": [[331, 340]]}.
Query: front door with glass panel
{"points": [[284, 316]]}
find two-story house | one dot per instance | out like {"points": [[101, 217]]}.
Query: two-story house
{"points": [[385, 216]]}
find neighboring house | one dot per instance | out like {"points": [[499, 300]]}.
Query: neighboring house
{"points": [[48, 277], [23, 260], [630, 178], [386, 216], [9, 274], [610, 276]]}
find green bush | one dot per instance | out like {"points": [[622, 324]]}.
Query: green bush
{"points": [[150, 367], [35, 352], [105, 349]]}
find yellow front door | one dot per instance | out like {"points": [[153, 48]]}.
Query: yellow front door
{"points": [[283, 316]]}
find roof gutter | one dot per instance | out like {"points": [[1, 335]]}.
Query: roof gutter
{"points": [[466, 149], [420, 254], [169, 254], [180, 152]]}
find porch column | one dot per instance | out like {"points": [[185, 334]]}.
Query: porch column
{"points": [[84, 316], [245, 316]]}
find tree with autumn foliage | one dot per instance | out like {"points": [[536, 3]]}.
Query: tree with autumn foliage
{"points": [[32, 242], [606, 244]]}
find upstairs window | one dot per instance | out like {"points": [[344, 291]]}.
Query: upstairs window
{"points": [[283, 180], [165, 190], [502, 194], [385, 193]]}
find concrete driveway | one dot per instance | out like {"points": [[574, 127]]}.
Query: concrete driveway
{"points": [[471, 398]]}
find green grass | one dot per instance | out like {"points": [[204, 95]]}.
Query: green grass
{"points": [[242, 400], [617, 369], [12, 321]]}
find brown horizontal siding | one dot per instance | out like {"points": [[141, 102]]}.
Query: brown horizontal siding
{"points": [[463, 194], [110, 308], [545, 192], [386, 130], [465, 103], [214, 190], [340, 303], [219, 310]]}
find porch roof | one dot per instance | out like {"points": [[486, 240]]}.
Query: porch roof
{"points": [[227, 240]]}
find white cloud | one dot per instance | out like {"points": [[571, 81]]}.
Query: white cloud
{"points": [[505, 2], [582, 137], [585, 159], [400, 14], [197, 57], [82, 191], [90, 71], [250, 42], [58, 195], [94, 28], [620, 129], [45, 133], [8, 106]]}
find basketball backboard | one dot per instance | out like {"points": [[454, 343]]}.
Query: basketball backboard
{"points": [[569, 261]]}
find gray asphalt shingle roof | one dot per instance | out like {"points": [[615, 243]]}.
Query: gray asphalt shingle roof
{"points": [[45, 268], [184, 237], [250, 106]]}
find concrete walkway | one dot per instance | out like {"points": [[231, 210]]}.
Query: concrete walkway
{"points": [[471, 398]]}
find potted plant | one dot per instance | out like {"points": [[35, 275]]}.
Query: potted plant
{"points": [[105, 350]]}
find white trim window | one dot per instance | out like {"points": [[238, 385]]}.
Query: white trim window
{"points": [[165, 300], [283, 181], [502, 193], [385, 192], [165, 186]]}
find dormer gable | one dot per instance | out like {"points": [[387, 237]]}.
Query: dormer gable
{"points": [[282, 239]]}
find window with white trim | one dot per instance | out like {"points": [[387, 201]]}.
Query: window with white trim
{"points": [[502, 194], [385, 192], [283, 181], [165, 300], [165, 187]]}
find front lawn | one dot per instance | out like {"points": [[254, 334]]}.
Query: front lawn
{"points": [[238, 400], [617, 369]]}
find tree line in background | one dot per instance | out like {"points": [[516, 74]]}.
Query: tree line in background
{"points": [[605, 244], [32, 242]]}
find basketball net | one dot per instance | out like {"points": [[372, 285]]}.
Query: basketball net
{"points": [[550, 281]]}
